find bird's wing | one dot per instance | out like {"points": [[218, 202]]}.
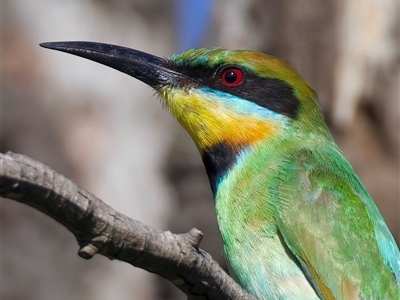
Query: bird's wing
{"points": [[333, 227]]}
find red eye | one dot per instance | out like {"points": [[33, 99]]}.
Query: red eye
{"points": [[232, 76]]}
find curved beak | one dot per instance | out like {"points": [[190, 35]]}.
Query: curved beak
{"points": [[150, 69]]}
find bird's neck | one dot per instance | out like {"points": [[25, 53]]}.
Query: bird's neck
{"points": [[218, 159], [220, 130]]}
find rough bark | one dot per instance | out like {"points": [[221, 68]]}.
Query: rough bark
{"points": [[100, 229]]}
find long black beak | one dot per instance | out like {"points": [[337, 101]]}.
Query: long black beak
{"points": [[148, 68]]}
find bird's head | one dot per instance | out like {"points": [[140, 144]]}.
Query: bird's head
{"points": [[227, 100]]}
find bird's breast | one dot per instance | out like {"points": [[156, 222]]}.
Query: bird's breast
{"points": [[256, 254]]}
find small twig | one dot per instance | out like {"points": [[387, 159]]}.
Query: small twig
{"points": [[98, 228]]}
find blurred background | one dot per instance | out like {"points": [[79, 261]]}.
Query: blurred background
{"points": [[108, 132]]}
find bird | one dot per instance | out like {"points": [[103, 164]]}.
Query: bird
{"points": [[295, 220]]}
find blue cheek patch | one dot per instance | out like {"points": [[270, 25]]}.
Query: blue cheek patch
{"points": [[241, 106]]}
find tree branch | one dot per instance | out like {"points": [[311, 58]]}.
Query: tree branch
{"points": [[98, 228]]}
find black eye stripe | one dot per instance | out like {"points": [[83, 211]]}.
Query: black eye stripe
{"points": [[271, 93]]}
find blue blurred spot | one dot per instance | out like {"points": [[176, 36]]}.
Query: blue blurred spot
{"points": [[192, 19]]}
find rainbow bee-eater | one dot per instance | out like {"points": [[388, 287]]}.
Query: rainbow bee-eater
{"points": [[295, 220]]}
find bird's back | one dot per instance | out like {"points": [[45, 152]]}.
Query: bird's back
{"points": [[296, 221]]}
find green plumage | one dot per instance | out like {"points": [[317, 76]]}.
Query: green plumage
{"points": [[306, 201], [295, 220]]}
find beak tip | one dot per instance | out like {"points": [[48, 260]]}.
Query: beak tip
{"points": [[51, 45], [59, 45]]}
